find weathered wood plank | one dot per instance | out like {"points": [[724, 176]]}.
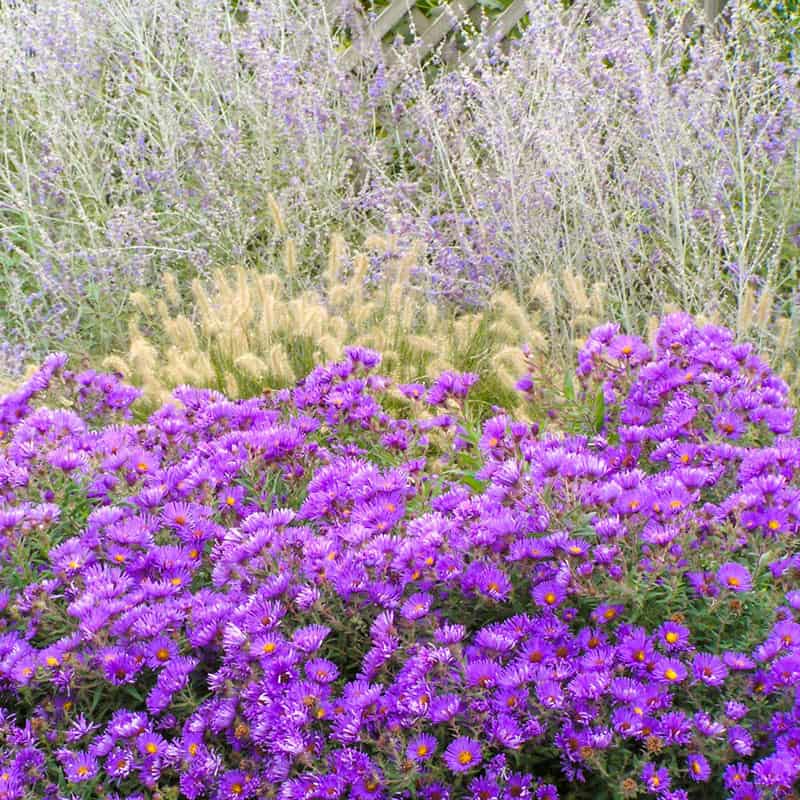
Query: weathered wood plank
{"points": [[501, 27], [429, 32], [449, 17], [384, 23], [421, 22]]}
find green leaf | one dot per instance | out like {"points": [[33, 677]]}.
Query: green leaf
{"points": [[569, 387], [470, 480], [599, 410]]}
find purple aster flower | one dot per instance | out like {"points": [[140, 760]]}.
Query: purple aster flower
{"points": [[670, 670], [235, 785], [463, 754], [735, 710], [776, 773], [421, 747], [699, 768], [606, 613], [735, 775], [417, 606], [740, 740], [729, 424], [78, 766], [655, 779], [675, 728], [673, 636], [735, 577], [738, 661], [435, 791], [706, 725], [709, 669], [548, 594], [151, 745]]}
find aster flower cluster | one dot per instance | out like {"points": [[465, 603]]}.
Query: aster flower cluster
{"points": [[309, 595]]}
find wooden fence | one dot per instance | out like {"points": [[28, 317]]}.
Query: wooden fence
{"points": [[430, 33]]}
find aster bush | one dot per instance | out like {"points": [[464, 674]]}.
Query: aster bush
{"points": [[322, 594]]}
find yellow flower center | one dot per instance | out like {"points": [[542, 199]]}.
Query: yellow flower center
{"points": [[162, 654], [671, 637], [151, 747], [52, 661], [269, 647], [670, 674], [773, 524], [733, 581], [464, 757], [422, 750], [550, 598], [82, 770]]}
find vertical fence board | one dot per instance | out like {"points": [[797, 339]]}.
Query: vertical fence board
{"points": [[430, 32]]}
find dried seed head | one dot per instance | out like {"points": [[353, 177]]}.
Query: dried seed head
{"points": [[182, 333], [375, 242], [746, 309], [652, 330], [339, 295], [275, 212], [290, 258], [336, 254], [784, 326], [141, 303], [764, 308], [576, 291], [360, 268], [279, 366], [117, 364], [423, 346], [231, 385], [540, 291], [171, 292], [252, 365], [330, 346]]}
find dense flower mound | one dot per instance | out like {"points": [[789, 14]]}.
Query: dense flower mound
{"points": [[321, 594]]}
